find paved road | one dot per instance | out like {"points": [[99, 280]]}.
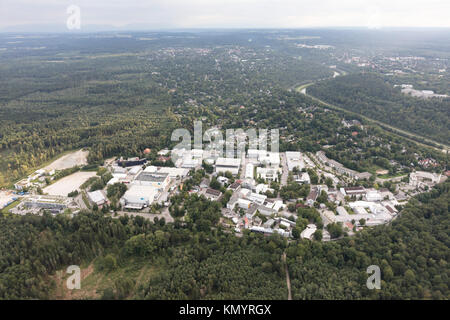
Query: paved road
{"points": [[285, 173], [394, 179], [244, 162], [79, 200], [394, 130], [165, 214]]}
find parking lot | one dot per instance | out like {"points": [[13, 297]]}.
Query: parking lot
{"points": [[68, 184]]}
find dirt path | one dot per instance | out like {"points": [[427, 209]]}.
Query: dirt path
{"points": [[164, 214], [288, 280]]}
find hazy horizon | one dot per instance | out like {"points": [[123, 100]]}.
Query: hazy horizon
{"points": [[135, 15]]}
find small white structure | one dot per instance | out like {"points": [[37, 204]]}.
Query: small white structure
{"points": [[256, 198], [22, 184], [308, 232], [97, 197], [244, 204], [263, 188], [373, 195], [271, 159], [302, 178], [342, 211], [249, 171], [135, 170]]}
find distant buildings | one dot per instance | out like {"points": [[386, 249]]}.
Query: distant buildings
{"points": [[420, 179]]}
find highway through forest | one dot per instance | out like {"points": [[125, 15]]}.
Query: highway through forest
{"points": [[404, 134]]}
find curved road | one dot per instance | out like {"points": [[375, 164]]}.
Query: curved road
{"points": [[394, 130]]}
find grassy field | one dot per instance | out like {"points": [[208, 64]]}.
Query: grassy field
{"points": [[93, 282], [6, 209]]}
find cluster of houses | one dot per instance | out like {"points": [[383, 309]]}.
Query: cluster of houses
{"points": [[340, 168], [250, 205], [36, 179]]}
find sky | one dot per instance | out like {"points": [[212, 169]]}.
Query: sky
{"points": [[176, 14]]}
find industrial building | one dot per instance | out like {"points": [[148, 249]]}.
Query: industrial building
{"points": [[228, 164], [139, 196], [54, 204], [294, 160], [159, 180], [97, 197], [212, 194], [269, 174]]}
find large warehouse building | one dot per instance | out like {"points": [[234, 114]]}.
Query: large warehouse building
{"points": [[159, 180], [139, 196], [228, 164]]}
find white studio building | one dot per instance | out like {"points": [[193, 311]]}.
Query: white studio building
{"points": [[294, 160], [249, 171], [271, 159], [228, 164], [139, 196], [308, 232], [97, 197], [269, 174], [158, 180]]}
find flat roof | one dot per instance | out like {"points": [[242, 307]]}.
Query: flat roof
{"points": [[96, 196], [152, 176], [228, 162]]}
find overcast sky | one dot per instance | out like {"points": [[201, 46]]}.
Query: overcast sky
{"points": [[157, 14]]}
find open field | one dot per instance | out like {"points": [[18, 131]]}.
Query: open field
{"points": [[94, 282], [77, 158], [68, 184]]}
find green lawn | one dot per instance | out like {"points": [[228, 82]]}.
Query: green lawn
{"points": [[6, 209]]}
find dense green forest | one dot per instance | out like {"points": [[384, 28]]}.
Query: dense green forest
{"points": [[117, 94], [371, 95], [413, 255], [96, 95]]}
